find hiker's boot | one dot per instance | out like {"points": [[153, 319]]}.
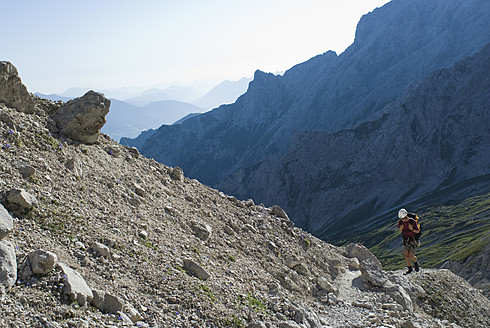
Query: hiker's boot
{"points": [[409, 270], [417, 267]]}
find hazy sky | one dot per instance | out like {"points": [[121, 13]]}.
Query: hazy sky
{"points": [[104, 44]]}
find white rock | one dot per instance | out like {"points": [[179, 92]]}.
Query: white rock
{"points": [[8, 264], [6, 222], [75, 287]]}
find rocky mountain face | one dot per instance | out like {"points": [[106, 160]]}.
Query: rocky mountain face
{"points": [[92, 234], [318, 109], [433, 141]]}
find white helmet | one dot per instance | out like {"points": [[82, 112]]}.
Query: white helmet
{"points": [[402, 213]]}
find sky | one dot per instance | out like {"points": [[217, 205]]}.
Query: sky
{"points": [[109, 44]]}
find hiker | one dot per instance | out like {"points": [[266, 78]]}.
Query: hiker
{"points": [[408, 227]]}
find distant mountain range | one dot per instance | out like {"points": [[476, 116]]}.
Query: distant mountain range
{"points": [[154, 107], [226, 92], [342, 139]]}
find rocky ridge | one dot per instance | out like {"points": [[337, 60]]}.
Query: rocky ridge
{"points": [[96, 235]]}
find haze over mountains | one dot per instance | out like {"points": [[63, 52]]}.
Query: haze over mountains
{"points": [[341, 139], [135, 110]]}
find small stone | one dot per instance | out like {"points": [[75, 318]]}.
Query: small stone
{"points": [[42, 262], [143, 234], [103, 250], [139, 190], [279, 212], [196, 269], [27, 171], [201, 230], [177, 174], [21, 198]]}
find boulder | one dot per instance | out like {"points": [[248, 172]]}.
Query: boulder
{"points": [[75, 288], [279, 212], [42, 262], [20, 198], [106, 302], [400, 295], [196, 269], [361, 253], [6, 222], [372, 273], [12, 92], [177, 174], [82, 118], [8, 264]]}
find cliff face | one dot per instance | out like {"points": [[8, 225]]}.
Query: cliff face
{"points": [[435, 137], [245, 148], [92, 234]]}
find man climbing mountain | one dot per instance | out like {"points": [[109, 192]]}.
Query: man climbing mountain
{"points": [[409, 228]]}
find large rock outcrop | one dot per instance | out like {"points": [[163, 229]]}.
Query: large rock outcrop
{"points": [[12, 92], [82, 118]]}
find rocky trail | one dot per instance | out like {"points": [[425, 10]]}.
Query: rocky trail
{"points": [[92, 234]]}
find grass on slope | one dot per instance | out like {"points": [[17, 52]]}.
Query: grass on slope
{"points": [[450, 232]]}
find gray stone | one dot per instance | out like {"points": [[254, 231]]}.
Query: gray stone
{"points": [[12, 92], [323, 284], [21, 198], [42, 262], [289, 324], [75, 166], [6, 222], [372, 273], [361, 253], [106, 302], [201, 230], [308, 318], [143, 234], [75, 287], [132, 313], [273, 247], [82, 118], [196, 269], [102, 249], [279, 212], [8, 264], [134, 151], [400, 295], [27, 171], [257, 325], [139, 190], [177, 174], [229, 230], [392, 307]]}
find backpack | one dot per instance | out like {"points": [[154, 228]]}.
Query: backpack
{"points": [[415, 217]]}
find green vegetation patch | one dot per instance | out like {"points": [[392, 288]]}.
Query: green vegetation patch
{"points": [[453, 231]]}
